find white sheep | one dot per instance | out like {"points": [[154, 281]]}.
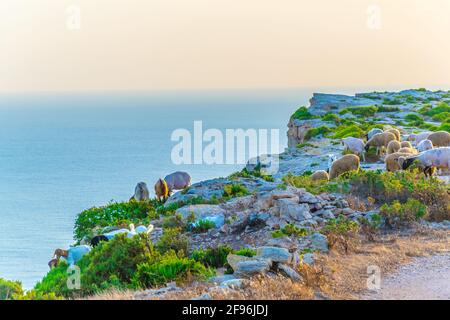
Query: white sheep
{"points": [[347, 163], [428, 160], [373, 132], [425, 145], [355, 145], [417, 138]]}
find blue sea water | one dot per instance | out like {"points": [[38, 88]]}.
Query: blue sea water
{"points": [[63, 153]]}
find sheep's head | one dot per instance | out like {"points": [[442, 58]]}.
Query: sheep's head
{"points": [[53, 263], [60, 253], [161, 189]]}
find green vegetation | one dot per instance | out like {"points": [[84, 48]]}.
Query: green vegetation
{"points": [[388, 109], [203, 226], [413, 117], [234, 190], [257, 172], [173, 239], [319, 131], [364, 111], [332, 118], [440, 108], [397, 213], [392, 101], [290, 230], [339, 232], [10, 290], [302, 113], [345, 131], [114, 214]]}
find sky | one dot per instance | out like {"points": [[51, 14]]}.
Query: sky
{"points": [[100, 45]]}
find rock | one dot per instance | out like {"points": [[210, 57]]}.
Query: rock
{"points": [[153, 293], [309, 223], [233, 284], [289, 272], [291, 210], [308, 258], [319, 242], [204, 296], [234, 259], [327, 214], [208, 212], [239, 204], [252, 267], [275, 254], [222, 278], [284, 242], [307, 197]]}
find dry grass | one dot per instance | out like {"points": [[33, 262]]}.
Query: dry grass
{"points": [[336, 275]]}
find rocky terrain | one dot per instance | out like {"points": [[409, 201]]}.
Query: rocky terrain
{"points": [[284, 221]]}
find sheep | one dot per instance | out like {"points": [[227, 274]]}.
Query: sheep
{"points": [[349, 162], [417, 138], [355, 145], [320, 175], [141, 192], [391, 161], [380, 140], [174, 181], [395, 132], [425, 145], [428, 160], [129, 232], [373, 132], [440, 138], [393, 146], [53, 263], [406, 144], [407, 150]]}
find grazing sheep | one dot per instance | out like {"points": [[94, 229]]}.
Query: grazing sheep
{"points": [[440, 138], [391, 161], [417, 138], [141, 192], [380, 140], [373, 132], [407, 150], [349, 162], [428, 160], [95, 241], [406, 144], [174, 181], [396, 133], [129, 232], [425, 145], [355, 145], [393, 146], [320, 175]]}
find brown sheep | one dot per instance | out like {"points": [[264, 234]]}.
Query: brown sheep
{"points": [[320, 175], [174, 181], [391, 161], [380, 140], [347, 163], [406, 144], [393, 146], [440, 139], [396, 132], [407, 150]]}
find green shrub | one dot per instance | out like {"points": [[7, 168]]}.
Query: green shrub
{"points": [[370, 226], [213, 257], [246, 252], [10, 290], [339, 231], [173, 239], [54, 283], [441, 117], [397, 214], [302, 113], [319, 131], [444, 127], [332, 118], [388, 109], [244, 173], [278, 234], [203, 226], [440, 108], [234, 190], [345, 131], [363, 111], [305, 181], [413, 117], [174, 221], [168, 268], [392, 101], [113, 214], [292, 230]]}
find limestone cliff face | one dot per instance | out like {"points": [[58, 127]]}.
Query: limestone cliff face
{"points": [[321, 104]]}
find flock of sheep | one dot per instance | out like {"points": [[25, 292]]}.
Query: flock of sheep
{"points": [[428, 150]]}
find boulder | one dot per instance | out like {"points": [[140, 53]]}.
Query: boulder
{"points": [[289, 272], [308, 258], [208, 212], [252, 267], [275, 254], [234, 259], [291, 210], [319, 242]]}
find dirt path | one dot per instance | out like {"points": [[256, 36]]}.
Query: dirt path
{"points": [[425, 278]]}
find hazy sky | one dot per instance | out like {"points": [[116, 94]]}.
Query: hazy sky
{"points": [[197, 44]]}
